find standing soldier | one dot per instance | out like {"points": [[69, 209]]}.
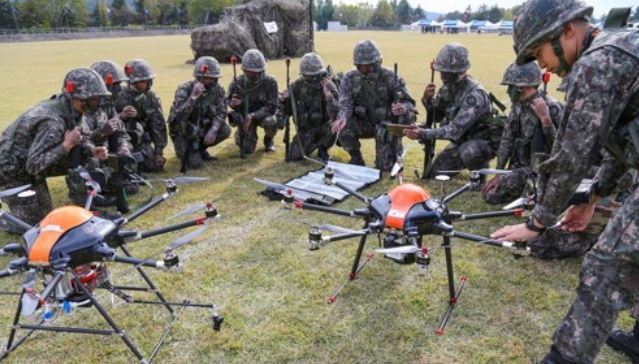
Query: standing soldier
{"points": [[141, 111], [370, 95], [531, 112], [315, 97], [197, 117], [463, 110], [42, 142], [253, 98], [600, 112]]}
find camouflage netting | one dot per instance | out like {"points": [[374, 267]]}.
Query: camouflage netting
{"points": [[242, 27]]}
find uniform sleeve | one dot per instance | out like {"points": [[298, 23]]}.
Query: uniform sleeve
{"points": [[158, 124], [474, 106], [332, 105], [404, 96], [121, 137], [88, 129], [588, 117], [507, 141], [219, 109], [183, 104], [609, 174], [233, 90], [346, 98], [46, 148], [270, 107]]}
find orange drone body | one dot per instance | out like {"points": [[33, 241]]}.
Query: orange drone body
{"points": [[403, 198], [52, 227]]}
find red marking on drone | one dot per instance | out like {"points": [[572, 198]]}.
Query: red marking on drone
{"points": [[200, 221], [299, 204], [464, 278], [453, 301], [370, 255], [209, 205], [439, 332], [518, 212], [331, 299]]}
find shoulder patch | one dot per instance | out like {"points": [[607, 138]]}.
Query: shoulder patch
{"points": [[471, 100]]}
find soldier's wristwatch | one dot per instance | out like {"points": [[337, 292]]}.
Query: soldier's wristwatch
{"points": [[530, 225]]}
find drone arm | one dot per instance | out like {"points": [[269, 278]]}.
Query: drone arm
{"points": [[344, 236], [167, 229], [488, 241], [489, 214], [7, 272], [331, 210], [58, 275], [139, 262], [457, 192], [144, 209], [352, 192], [14, 220]]}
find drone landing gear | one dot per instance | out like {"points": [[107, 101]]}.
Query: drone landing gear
{"points": [[454, 294], [114, 328]]}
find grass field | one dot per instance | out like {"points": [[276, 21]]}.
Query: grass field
{"points": [[254, 262]]}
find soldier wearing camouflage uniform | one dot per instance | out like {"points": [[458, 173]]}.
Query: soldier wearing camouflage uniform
{"points": [[141, 111], [370, 95], [600, 112], [197, 119], [253, 98], [531, 112], [463, 109], [316, 99], [42, 142]]}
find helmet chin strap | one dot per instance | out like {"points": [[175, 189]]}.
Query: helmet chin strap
{"points": [[564, 67]]}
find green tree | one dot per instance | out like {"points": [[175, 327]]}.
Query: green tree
{"points": [[348, 14], [365, 13], [33, 14], [118, 4], [7, 14], [495, 14], [418, 13], [383, 15], [200, 10], [403, 12]]}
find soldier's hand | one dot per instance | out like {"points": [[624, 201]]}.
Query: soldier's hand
{"points": [[413, 133], [210, 136], [517, 232], [491, 185], [159, 161], [540, 108], [578, 217], [398, 109], [129, 112], [284, 96], [326, 81], [71, 139], [109, 127], [338, 125], [246, 124], [235, 101], [198, 90], [429, 92], [101, 153]]}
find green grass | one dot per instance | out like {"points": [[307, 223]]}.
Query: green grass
{"points": [[254, 262]]}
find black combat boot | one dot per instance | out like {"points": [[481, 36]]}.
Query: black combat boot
{"points": [[207, 157], [356, 158], [626, 342], [322, 153], [553, 357], [269, 146]]}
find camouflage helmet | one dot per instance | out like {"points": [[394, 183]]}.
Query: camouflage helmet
{"points": [[527, 75], [110, 71], [311, 64], [543, 20], [366, 52], [138, 70], [207, 67], [253, 60], [452, 58], [83, 84]]}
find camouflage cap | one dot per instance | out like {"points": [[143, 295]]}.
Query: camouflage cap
{"points": [[366, 52], [138, 70], [311, 64], [543, 20], [110, 71], [527, 75], [452, 58], [207, 67], [83, 84], [253, 60]]}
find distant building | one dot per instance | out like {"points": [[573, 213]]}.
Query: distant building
{"points": [[336, 26]]}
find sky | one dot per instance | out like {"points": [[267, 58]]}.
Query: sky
{"points": [[446, 6]]}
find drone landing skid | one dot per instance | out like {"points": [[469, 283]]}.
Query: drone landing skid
{"points": [[115, 329]]}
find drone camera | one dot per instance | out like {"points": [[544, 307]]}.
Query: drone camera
{"points": [[314, 238]]}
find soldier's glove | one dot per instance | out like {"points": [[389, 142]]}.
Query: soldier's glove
{"points": [[129, 112], [109, 128]]}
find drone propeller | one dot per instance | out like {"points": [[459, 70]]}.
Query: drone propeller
{"points": [[185, 239], [520, 202], [483, 171], [335, 169], [191, 209], [331, 228], [410, 249], [13, 191], [181, 180]]}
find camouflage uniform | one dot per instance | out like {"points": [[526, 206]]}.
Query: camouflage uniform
{"points": [[601, 108], [31, 148], [190, 120], [365, 103], [261, 94], [516, 148], [463, 110], [147, 130], [314, 109]]}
